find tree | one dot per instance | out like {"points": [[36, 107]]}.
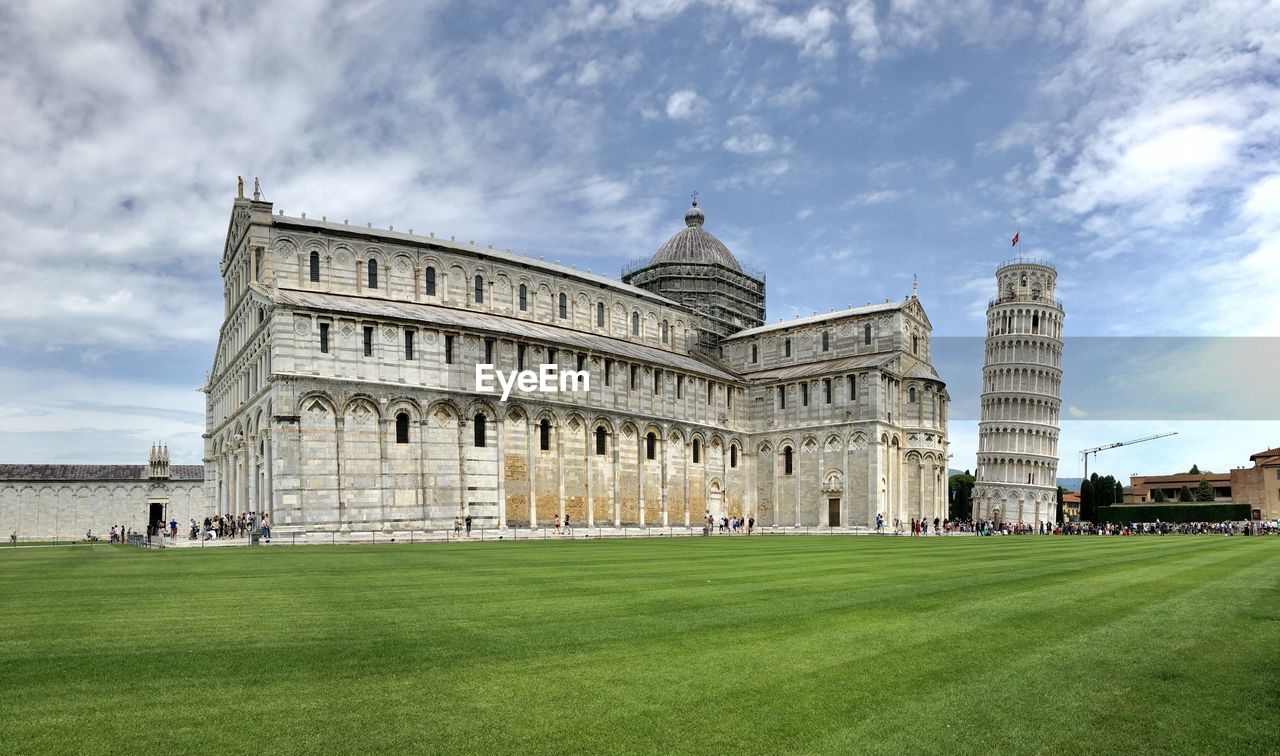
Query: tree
{"points": [[1157, 495], [1087, 508], [1119, 493], [1195, 470], [1184, 494], [1057, 516], [1204, 492], [960, 496], [1104, 491]]}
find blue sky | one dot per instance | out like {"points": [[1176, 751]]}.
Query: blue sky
{"points": [[838, 146]]}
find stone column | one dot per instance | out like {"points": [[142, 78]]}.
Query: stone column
{"points": [[615, 515], [873, 481], [339, 424], [662, 481], [384, 427], [268, 499], [424, 491], [847, 472], [560, 472], [824, 511], [586, 470], [462, 466], [642, 444], [502, 472], [532, 471]]}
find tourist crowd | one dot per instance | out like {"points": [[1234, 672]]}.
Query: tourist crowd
{"points": [[226, 526]]}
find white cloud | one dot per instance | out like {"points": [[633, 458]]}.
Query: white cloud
{"points": [[750, 136], [860, 15], [685, 104], [876, 197]]}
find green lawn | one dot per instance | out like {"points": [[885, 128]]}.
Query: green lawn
{"points": [[803, 644]]}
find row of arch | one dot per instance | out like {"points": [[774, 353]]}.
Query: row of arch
{"points": [[1018, 439], [1005, 320], [1020, 409], [996, 468], [1023, 351], [67, 510], [1029, 379]]}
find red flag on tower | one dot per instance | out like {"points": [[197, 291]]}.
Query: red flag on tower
{"points": [[1015, 239]]}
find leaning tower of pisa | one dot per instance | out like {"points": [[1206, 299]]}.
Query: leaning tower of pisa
{"points": [[1021, 384]]}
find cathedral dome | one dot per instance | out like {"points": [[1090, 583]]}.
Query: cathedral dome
{"points": [[694, 245]]}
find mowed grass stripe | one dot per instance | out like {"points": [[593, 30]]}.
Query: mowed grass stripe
{"points": [[770, 644]]}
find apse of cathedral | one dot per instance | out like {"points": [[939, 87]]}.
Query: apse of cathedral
{"points": [[344, 393]]}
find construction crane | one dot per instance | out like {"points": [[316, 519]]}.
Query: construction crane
{"points": [[1094, 451]]}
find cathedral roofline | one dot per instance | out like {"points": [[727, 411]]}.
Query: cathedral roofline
{"points": [[821, 318], [368, 232], [132, 473]]}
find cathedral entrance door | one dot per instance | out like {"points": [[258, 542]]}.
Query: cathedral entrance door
{"points": [[833, 512], [155, 514]]}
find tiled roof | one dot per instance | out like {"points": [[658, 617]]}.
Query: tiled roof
{"points": [[803, 370], [811, 319], [95, 472], [1264, 455], [500, 325], [1148, 480]]}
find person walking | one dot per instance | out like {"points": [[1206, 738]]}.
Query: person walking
{"points": [[457, 527], [468, 521]]}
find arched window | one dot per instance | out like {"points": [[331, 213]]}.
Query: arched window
{"points": [[429, 281], [733, 455], [599, 314], [564, 306], [524, 298], [1024, 279], [479, 289], [373, 274], [315, 266], [826, 341], [601, 435], [479, 430], [697, 450], [1035, 323], [544, 435], [650, 446], [635, 324], [915, 344], [402, 428], [866, 334], [664, 332], [911, 394], [786, 460]]}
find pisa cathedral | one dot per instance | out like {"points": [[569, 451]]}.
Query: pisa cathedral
{"points": [[343, 395], [343, 392]]}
